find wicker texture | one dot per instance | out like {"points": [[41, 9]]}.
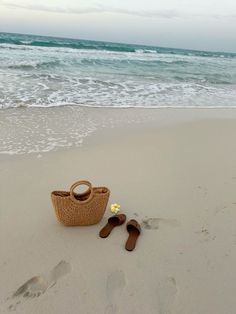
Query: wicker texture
{"points": [[87, 208]]}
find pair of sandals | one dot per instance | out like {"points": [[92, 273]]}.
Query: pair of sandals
{"points": [[132, 226]]}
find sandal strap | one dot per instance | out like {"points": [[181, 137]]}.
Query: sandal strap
{"points": [[134, 224], [121, 218]]}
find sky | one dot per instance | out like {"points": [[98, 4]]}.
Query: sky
{"points": [[193, 24]]}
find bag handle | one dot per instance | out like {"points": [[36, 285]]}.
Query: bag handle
{"points": [[78, 183]]}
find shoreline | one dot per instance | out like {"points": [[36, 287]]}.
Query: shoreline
{"points": [[164, 107], [36, 130]]}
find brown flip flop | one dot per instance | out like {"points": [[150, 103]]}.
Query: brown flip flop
{"points": [[113, 222], [134, 230]]}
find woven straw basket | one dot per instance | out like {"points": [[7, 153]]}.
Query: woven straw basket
{"points": [[86, 208]]}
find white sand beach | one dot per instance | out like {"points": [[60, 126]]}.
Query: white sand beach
{"points": [[175, 174]]}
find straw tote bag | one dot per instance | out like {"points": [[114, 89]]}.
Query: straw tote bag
{"points": [[86, 208]]}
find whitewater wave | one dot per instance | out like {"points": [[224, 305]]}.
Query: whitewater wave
{"points": [[52, 42], [33, 65], [69, 44]]}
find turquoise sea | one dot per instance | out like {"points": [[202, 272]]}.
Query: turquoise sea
{"points": [[38, 71]]}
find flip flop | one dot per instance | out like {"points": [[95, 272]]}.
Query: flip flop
{"points": [[134, 230], [113, 222]]}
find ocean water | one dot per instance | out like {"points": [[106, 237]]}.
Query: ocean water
{"points": [[38, 71], [49, 86]]}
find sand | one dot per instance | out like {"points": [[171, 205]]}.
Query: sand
{"points": [[177, 177]]}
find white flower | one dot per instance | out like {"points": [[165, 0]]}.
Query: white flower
{"points": [[115, 208]]}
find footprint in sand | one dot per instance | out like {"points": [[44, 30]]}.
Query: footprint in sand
{"points": [[202, 190], [115, 285], [166, 294], [38, 285], [154, 223]]}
